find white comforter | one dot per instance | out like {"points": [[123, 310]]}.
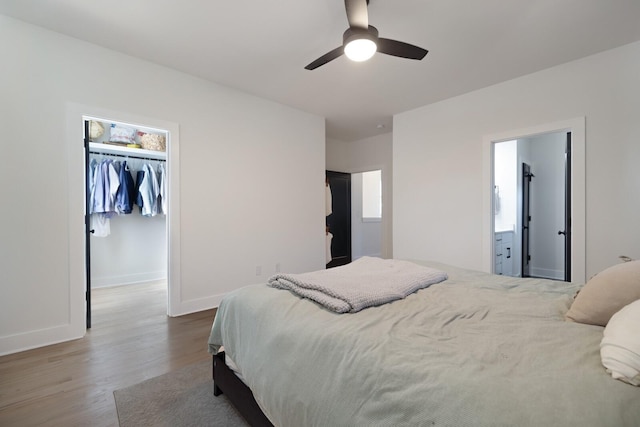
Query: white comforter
{"points": [[474, 350]]}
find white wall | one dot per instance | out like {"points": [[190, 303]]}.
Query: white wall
{"points": [[506, 180], [135, 251], [242, 160], [365, 155], [438, 158], [508, 216], [366, 236]]}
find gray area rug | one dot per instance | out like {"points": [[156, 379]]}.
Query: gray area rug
{"points": [[179, 398]]}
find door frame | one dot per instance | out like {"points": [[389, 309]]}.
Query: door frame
{"points": [[87, 221], [578, 191], [567, 207], [76, 113]]}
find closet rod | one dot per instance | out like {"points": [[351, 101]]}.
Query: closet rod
{"points": [[127, 156]]}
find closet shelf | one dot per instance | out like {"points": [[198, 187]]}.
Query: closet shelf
{"points": [[96, 147]]}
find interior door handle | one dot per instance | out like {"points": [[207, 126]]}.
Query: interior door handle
{"points": [[564, 233]]}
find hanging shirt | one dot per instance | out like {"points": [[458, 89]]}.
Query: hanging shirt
{"points": [[101, 174], [112, 182], [162, 198], [328, 200], [93, 166], [139, 179], [126, 191], [100, 224], [149, 191], [328, 239]]}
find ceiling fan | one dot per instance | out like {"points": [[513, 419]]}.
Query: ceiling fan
{"points": [[361, 40]]}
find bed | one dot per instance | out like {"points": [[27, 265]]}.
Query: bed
{"points": [[474, 350]]}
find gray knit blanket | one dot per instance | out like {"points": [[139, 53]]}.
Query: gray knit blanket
{"points": [[366, 282]]}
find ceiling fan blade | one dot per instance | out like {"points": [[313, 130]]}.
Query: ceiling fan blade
{"points": [[327, 57], [357, 13], [401, 49]]}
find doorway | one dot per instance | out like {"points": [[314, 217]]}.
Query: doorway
{"points": [[355, 224], [366, 215], [555, 233], [126, 206], [531, 213]]}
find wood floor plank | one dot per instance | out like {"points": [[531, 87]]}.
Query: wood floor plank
{"points": [[132, 339]]}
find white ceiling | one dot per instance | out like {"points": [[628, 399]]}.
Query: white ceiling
{"points": [[261, 47]]}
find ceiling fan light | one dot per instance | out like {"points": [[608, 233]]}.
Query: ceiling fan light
{"points": [[360, 49]]}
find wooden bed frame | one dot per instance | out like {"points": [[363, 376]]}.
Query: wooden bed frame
{"points": [[227, 382]]}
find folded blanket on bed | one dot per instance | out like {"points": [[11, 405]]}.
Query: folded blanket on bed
{"points": [[366, 282]]}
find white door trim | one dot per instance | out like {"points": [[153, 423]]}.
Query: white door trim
{"points": [[75, 176]]}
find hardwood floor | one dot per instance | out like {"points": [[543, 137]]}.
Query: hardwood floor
{"points": [[72, 383]]}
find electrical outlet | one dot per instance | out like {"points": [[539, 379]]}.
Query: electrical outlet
{"points": [[277, 267], [258, 270]]}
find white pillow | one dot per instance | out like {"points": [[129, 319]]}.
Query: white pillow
{"points": [[620, 346]]}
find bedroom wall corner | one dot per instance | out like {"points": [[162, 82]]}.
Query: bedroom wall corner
{"points": [[237, 181], [438, 158]]}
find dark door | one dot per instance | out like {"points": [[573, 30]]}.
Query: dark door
{"points": [[339, 221], [526, 218], [567, 210], [87, 222]]}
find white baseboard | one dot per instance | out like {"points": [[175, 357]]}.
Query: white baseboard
{"points": [[198, 304], [127, 279], [547, 273], [56, 334], [39, 338]]}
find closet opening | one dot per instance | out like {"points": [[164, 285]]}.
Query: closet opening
{"points": [[126, 206], [354, 216]]}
